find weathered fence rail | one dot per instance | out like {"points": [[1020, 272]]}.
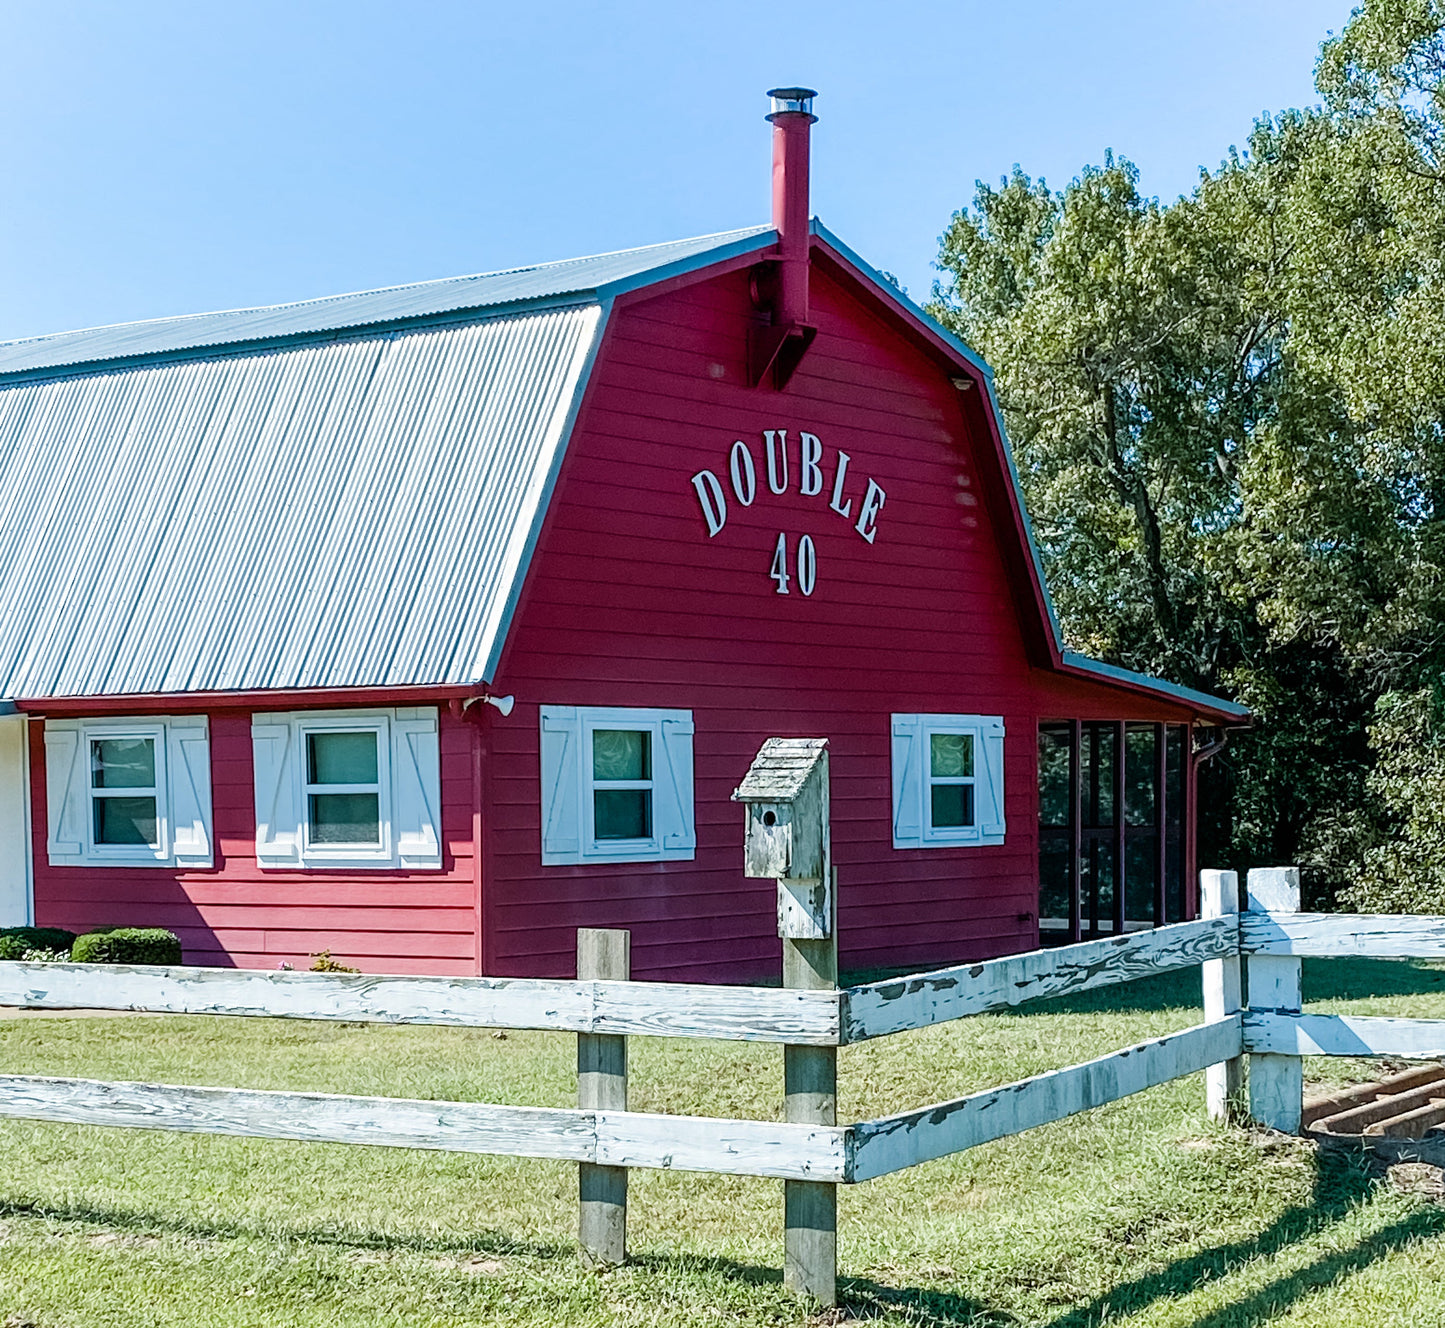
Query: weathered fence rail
{"points": [[752, 1014], [1267, 940]]}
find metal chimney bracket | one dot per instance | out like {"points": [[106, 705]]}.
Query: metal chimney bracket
{"points": [[777, 351]]}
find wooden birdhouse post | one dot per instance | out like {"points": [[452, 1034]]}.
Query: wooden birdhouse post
{"points": [[785, 799]]}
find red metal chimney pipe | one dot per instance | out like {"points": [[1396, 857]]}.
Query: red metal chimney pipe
{"points": [[792, 118]]}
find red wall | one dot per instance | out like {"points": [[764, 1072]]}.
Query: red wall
{"points": [[629, 602], [235, 913]]}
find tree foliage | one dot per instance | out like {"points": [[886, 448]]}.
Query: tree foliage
{"points": [[1229, 418]]}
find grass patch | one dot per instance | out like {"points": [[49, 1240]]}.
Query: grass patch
{"points": [[1139, 1213]]}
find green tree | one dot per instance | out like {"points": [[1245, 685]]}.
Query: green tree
{"points": [[1229, 418]]}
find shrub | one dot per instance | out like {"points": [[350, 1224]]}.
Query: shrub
{"points": [[324, 963], [128, 945], [15, 941], [46, 956]]}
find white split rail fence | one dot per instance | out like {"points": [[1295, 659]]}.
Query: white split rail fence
{"points": [[1269, 938]]}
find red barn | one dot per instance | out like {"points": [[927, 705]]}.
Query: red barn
{"points": [[426, 625]]}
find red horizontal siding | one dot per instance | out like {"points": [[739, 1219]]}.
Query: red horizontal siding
{"points": [[629, 602], [237, 914]]}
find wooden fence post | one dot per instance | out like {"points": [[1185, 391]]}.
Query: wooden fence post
{"points": [[810, 1083], [1224, 1083], [1276, 1082], [602, 1085]]}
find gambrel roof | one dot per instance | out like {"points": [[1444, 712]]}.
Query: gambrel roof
{"points": [[332, 494]]}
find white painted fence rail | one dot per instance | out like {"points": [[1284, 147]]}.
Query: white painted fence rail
{"points": [[902, 1141], [609, 1138], [1343, 1035], [924, 999], [1330, 935], [659, 1009], [1273, 1032]]}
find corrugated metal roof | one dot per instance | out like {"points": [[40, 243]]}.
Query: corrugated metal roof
{"points": [[575, 276], [352, 512]]}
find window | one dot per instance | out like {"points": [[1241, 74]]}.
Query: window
{"points": [[947, 780], [343, 787], [129, 792], [348, 788], [616, 785]]}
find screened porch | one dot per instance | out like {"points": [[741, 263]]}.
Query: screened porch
{"points": [[1115, 801]]}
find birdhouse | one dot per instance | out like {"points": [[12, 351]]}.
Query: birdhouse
{"points": [[785, 831]]}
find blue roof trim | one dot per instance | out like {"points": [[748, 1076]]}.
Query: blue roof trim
{"points": [[599, 279], [1115, 674], [972, 357], [1071, 659], [891, 292], [607, 296], [374, 311], [454, 318], [763, 239], [488, 669]]}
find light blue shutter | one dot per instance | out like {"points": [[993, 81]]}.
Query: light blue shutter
{"points": [[188, 772], [561, 783], [67, 792], [907, 781], [672, 790], [991, 817], [278, 792], [416, 788]]}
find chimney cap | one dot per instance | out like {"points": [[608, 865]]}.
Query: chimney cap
{"points": [[792, 101]]}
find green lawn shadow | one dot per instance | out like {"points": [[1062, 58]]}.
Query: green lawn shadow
{"points": [[1342, 1182]]}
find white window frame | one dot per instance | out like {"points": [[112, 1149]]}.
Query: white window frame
{"points": [[182, 792], [569, 831], [155, 734], [407, 742], [347, 854], [912, 780]]}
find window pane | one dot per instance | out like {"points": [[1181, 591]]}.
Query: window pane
{"points": [[622, 813], [123, 763], [125, 820], [951, 755], [1141, 756], [1097, 777], [952, 805], [1054, 789], [341, 758], [345, 818], [620, 754]]}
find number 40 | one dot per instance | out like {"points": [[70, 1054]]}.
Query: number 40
{"points": [[807, 565]]}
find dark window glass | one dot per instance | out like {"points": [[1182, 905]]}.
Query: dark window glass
{"points": [[1140, 774], [1054, 775], [952, 805], [1140, 865], [620, 754], [950, 755], [619, 813], [345, 818], [1098, 884], [341, 758], [124, 820], [123, 763], [1097, 752]]}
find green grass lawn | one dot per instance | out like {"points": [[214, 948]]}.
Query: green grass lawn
{"points": [[1139, 1213]]}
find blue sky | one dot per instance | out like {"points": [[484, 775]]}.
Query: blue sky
{"points": [[163, 158]]}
